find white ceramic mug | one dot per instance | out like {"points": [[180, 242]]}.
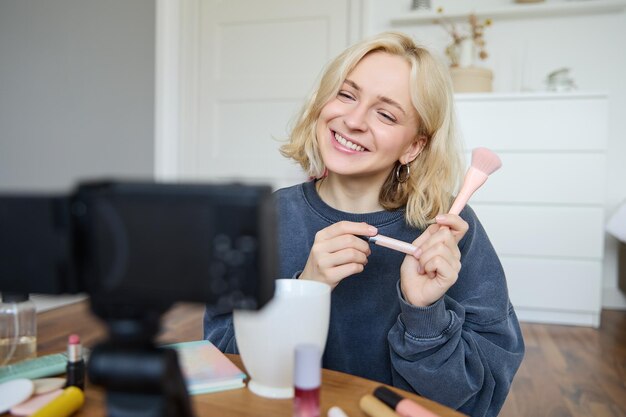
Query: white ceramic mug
{"points": [[299, 313]]}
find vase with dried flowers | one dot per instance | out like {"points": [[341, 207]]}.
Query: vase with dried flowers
{"points": [[467, 46], [464, 41]]}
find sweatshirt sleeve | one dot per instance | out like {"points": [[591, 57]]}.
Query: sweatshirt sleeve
{"points": [[464, 349], [219, 330]]}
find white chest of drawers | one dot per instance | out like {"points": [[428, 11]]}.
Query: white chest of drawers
{"points": [[544, 210]]}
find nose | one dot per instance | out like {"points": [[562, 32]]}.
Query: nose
{"points": [[356, 118]]}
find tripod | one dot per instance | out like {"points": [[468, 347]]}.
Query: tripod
{"points": [[141, 379]]}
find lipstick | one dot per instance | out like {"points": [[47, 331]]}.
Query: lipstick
{"points": [[391, 243], [75, 363], [403, 406], [373, 407]]}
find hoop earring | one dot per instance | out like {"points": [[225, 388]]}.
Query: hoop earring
{"points": [[399, 176]]}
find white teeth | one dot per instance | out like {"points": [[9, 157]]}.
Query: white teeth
{"points": [[347, 143]]}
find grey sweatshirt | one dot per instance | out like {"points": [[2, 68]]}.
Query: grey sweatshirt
{"points": [[461, 351]]}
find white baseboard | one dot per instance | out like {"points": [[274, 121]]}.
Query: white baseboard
{"points": [[613, 298], [589, 319]]}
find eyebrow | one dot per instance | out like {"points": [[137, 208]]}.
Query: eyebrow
{"points": [[381, 98]]}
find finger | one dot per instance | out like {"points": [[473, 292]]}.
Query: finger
{"points": [[340, 272], [439, 251], [344, 228], [343, 242], [426, 234], [443, 236], [451, 243], [440, 267], [410, 265], [410, 268], [343, 257], [458, 226]]}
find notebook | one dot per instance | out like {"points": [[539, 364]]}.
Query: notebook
{"points": [[206, 368], [43, 366]]}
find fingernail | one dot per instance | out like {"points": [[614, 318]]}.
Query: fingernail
{"points": [[417, 252], [373, 230], [440, 218]]}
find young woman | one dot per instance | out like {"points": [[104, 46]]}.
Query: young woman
{"points": [[378, 134]]}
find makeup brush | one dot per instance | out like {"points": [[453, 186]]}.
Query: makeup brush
{"points": [[391, 243], [484, 163]]}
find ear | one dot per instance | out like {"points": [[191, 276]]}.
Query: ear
{"points": [[413, 150]]}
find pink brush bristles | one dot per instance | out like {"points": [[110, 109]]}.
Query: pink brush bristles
{"points": [[484, 163], [485, 160]]}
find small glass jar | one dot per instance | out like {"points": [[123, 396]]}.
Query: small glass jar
{"points": [[18, 328], [420, 5]]}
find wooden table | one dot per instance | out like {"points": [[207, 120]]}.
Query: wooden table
{"points": [[184, 323]]}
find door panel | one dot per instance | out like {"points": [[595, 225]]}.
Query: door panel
{"points": [[256, 65]]}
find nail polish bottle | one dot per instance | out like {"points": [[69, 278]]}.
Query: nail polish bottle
{"points": [[307, 381]]}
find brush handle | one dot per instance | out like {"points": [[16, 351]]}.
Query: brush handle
{"points": [[472, 182], [394, 244], [373, 407]]}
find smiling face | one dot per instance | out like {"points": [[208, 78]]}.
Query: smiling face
{"points": [[371, 123]]}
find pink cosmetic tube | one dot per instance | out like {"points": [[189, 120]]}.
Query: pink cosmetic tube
{"points": [[403, 406], [391, 243]]}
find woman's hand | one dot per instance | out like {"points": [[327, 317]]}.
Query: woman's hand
{"points": [[425, 281], [337, 252]]}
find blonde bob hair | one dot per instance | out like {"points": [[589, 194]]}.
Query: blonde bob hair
{"points": [[435, 173]]}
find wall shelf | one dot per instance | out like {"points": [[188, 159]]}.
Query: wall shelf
{"points": [[531, 95], [517, 11]]}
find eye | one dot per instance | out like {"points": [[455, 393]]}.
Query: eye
{"points": [[388, 117], [345, 95]]}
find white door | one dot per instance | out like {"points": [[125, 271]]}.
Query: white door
{"points": [[257, 61]]}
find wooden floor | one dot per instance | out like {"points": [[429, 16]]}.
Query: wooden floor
{"points": [[567, 371], [572, 371]]}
